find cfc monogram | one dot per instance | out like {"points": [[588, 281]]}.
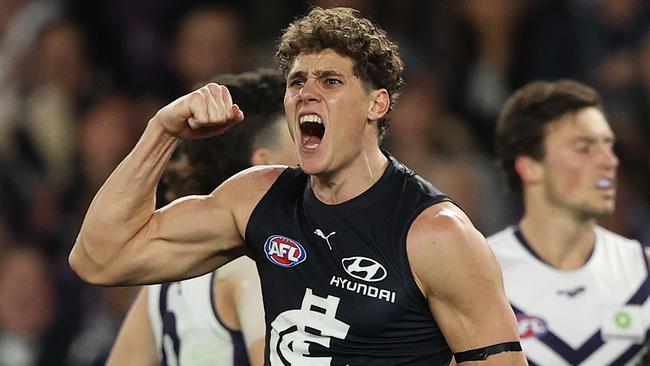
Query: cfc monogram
{"points": [[292, 332]]}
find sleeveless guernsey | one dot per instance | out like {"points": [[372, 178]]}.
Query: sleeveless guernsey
{"points": [[337, 285]]}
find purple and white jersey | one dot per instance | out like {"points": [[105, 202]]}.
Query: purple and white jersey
{"points": [[595, 315], [187, 330]]}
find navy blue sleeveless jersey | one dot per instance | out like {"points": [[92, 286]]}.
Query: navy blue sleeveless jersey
{"points": [[336, 281]]}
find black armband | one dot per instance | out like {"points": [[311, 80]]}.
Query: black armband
{"points": [[481, 354]]}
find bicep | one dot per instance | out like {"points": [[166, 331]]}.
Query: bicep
{"points": [[135, 344], [189, 237], [461, 280], [197, 234]]}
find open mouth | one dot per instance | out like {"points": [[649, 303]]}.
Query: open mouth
{"points": [[312, 131], [605, 184]]}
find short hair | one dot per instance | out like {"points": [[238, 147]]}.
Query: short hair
{"points": [[376, 58], [521, 127], [201, 165]]}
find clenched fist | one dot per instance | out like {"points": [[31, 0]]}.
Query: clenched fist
{"points": [[203, 113]]}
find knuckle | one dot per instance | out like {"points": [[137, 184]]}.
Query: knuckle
{"points": [[195, 95], [205, 91], [214, 89]]}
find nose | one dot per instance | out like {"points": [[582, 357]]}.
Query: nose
{"points": [[609, 157], [309, 91]]}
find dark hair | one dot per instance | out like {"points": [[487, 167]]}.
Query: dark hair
{"points": [[376, 58], [522, 123], [201, 165]]}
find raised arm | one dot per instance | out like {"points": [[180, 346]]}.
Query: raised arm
{"points": [[123, 240], [461, 279]]}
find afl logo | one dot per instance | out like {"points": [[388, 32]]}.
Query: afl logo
{"points": [[364, 269], [530, 326], [283, 251]]}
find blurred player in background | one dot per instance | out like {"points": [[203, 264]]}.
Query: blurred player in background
{"points": [[580, 292]]}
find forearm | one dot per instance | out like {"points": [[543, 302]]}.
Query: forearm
{"points": [[124, 204]]}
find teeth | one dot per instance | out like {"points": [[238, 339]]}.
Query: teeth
{"points": [[310, 118], [604, 183]]}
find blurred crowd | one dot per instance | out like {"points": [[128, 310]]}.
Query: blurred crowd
{"points": [[80, 79]]}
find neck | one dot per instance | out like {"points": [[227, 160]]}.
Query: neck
{"points": [[351, 180], [560, 238]]}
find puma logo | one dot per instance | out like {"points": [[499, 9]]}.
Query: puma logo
{"points": [[572, 292], [323, 236]]}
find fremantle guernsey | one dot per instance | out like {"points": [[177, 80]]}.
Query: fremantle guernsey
{"points": [[187, 330], [337, 285], [596, 315]]}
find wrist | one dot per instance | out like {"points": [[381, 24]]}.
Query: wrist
{"points": [[156, 127]]}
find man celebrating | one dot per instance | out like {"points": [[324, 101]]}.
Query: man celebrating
{"points": [[361, 261]]}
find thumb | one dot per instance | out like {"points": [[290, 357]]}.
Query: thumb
{"points": [[238, 113]]}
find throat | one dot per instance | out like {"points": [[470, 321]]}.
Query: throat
{"points": [[562, 248], [349, 181]]}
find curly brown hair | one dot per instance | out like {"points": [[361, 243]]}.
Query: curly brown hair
{"points": [[521, 128], [376, 58], [199, 166]]}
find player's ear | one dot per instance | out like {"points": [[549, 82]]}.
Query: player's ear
{"points": [[530, 170], [260, 156], [379, 104]]}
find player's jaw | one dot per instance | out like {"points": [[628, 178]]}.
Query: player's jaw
{"points": [[589, 198], [605, 194]]}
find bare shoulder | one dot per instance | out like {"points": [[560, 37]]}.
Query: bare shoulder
{"points": [[243, 191], [254, 181], [443, 243], [443, 227]]}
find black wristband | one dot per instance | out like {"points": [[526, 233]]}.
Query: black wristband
{"points": [[480, 354]]}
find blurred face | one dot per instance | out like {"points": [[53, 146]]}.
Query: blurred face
{"points": [[63, 58], [208, 44], [283, 152], [27, 304], [579, 166], [327, 109]]}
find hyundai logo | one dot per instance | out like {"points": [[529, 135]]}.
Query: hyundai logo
{"points": [[364, 269]]}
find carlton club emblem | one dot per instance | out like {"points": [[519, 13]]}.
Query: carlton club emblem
{"points": [[284, 252]]}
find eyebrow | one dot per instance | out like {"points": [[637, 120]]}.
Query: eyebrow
{"points": [[327, 73], [318, 73], [592, 140], [297, 74]]}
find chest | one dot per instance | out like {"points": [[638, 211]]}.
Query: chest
{"points": [[362, 275]]}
